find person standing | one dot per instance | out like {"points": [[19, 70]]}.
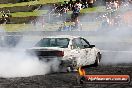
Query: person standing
{"points": [[70, 5], [84, 2], [65, 14], [76, 12]]}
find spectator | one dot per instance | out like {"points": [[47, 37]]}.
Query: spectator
{"points": [[76, 12], [85, 4], [106, 22], [78, 4], [65, 4], [70, 5], [116, 6], [108, 5], [5, 18], [64, 27], [64, 14]]}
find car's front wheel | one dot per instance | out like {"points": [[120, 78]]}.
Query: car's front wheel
{"points": [[98, 58]]}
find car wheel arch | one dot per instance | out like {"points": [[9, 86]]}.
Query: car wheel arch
{"points": [[98, 58]]}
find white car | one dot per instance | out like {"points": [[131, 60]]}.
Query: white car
{"points": [[71, 51]]}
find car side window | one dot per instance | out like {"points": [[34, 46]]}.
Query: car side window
{"points": [[77, 43], [85, 43]]}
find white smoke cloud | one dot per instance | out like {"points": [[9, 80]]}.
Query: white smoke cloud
{"points": [[16, 62]]}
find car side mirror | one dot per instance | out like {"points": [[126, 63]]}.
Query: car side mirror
{"points": [[86, 46], [91, 46]]}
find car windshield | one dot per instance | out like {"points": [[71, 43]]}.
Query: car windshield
{"points": [[53, 42]]}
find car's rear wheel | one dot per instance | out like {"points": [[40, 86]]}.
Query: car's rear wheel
{"points": [[98, 58], [69, 69], [73, 66]]}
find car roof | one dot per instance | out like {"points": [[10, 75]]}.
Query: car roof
{"points": [[62, 36]]}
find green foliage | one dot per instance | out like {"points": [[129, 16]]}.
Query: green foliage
{"points": [[35, 2], [27, 14], [94, 9]]}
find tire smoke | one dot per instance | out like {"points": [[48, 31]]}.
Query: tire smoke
{"points": [[16, 62]]}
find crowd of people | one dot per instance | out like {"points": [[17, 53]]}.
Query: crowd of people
{"points": [[113, 19], [112, 5], [115, 4], [75, 7]]}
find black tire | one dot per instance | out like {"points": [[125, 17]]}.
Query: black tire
{"points": [[70, 69], [73, 67], [98, 58]]}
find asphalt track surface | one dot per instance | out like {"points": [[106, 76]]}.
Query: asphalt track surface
{"points": [[68, 80], [116, 59]]}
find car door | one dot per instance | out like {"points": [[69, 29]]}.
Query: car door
{"points": [[78, 51], [90, 53]]}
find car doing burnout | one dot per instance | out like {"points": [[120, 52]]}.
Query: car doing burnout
{"points": [[71, 51]]}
